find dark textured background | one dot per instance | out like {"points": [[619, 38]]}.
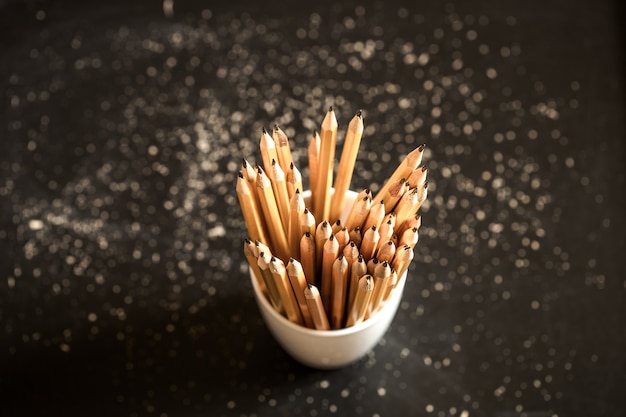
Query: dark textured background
{"points": [[123, 289]]}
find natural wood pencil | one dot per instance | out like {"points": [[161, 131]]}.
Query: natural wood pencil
{"points": [[339, 287], [283, 150], [375, 216], [346, 164], [248, 171], [404, 169], [307, 222], [343, 238], [386, 251], [391, 285], [287, 296], [252, 213], [263, 262], [407, 206], [409, 237], [357, 270], [329, 254], [358, 213], [418, 176], [363, 294], [394, 193], [279, 187], [322, 233], [308, 257], [386, 230], [313, 152], [296, 208], [316, 307], [268, 152], [382, 275], [294, 180], [370, 243], [299, 285], [253, 260], [355, 236], [271, 215], [402, 259], [328, 141]]}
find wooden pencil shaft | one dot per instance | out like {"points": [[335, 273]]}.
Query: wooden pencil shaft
{"points": [[365, 288], [299, 285], [285, 290], [330, 252], [404, 169], [307, 257], [313, 151], [283, 150], [339, 286], [316, 308], [347, 161], [268, 151], [328, 140]]}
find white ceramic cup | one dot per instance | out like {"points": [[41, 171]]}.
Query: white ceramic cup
{"points": [[328, 349]]}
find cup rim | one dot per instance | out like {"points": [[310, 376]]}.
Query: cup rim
{"points": [[396, 293]]}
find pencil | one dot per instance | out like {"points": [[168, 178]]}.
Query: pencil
{"points": [[329, 254], [407, 206], [271, 215], [358, 213], [263, 262], [268, 152], [285, 290], [375, 216], [386, 230], [294, 180], [307, 257], [283, 150], [393, 282], [322, 233], [339, 286], [418, 176], [404, 169], [402, 259], [363, 295], [409, 237], [299, 285], [279, 187], [357, 270], [252, 215], [346, 164], [351, 252], [248, 172], [386, 251], [328, 140], [307, 222], [316, 308], [252, 258], [394, 193], [313, 152], [370, 243], [296, 208], [355, 236], [382, 275], [343, 238]]}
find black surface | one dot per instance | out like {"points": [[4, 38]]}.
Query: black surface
{"points": [[123, 288]]}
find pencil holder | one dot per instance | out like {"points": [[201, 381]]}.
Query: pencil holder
{"points": [[328, 349]]}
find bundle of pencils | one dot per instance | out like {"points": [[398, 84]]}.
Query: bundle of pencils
{"points": [[315, 268]]}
